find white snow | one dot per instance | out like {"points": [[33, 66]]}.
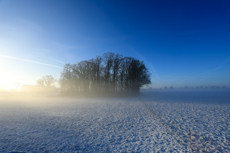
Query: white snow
{"points": [[148, 123]]}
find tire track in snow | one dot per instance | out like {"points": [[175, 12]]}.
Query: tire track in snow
{"points": [[210, 120], [172, 130]]}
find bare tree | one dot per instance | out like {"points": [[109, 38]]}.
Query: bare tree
{"points": [[40, 82], [108, 60], [66, 78], [83, 72], [138, 75], [116, 65], [48, 80]]}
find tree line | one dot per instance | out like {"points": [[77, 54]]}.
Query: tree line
{"points": [[109, 73]]}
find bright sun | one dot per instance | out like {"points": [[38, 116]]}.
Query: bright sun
{"points": [[7, 76]]}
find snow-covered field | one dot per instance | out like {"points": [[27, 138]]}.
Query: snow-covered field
{"points": [[152, 122]]}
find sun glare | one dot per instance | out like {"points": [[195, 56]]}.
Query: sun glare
{"points": [[7, 81]]}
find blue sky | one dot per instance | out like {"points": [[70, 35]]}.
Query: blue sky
{"points": [[181, 42]]}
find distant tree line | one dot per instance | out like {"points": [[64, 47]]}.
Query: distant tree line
{"points": [[110, 73], [196, 87]]}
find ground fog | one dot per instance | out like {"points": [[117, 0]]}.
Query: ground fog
{"points": [[151, 122]]}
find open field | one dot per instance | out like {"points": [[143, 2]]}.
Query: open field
{"points": [[152, 122]]}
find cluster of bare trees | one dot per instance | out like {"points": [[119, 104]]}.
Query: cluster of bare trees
{"points": [[107, 74]]}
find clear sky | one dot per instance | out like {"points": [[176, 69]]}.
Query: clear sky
{"points": [[182, 43]]}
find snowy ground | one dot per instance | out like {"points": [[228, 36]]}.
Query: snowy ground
{"points": [[138, 124]]}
